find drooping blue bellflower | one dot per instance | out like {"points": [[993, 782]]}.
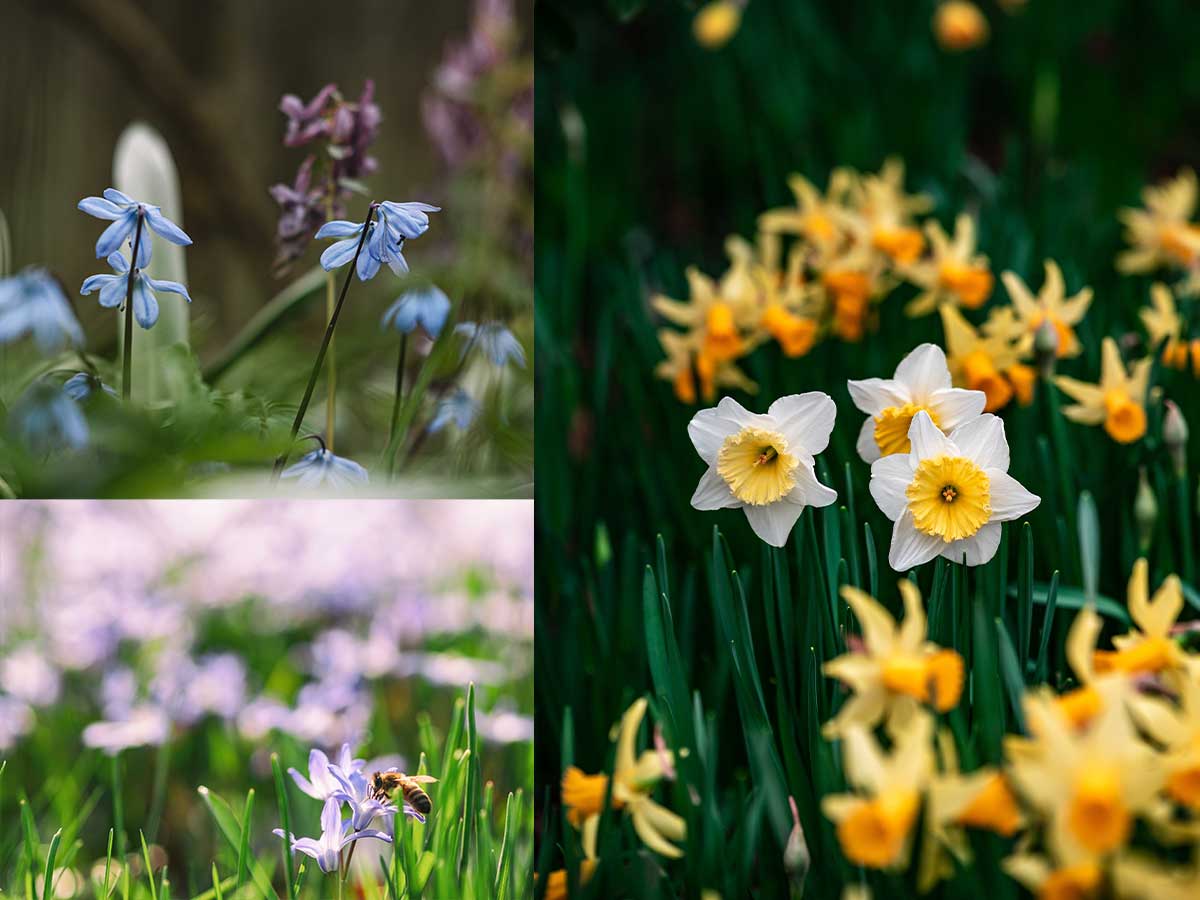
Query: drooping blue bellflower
{"points": [[123, 211], [32, 302], [114, 288], [46, 419], [82, 385], [392, 225], [426, 307], [321, 467], [459, 408], [495, 341]]}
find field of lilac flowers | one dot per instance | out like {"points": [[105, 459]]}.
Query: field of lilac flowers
{"points": [[184, 682], [387, 355]]}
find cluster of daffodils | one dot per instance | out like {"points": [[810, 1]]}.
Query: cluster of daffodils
{"points": [[939, 463], [1118, 750], [629, 790]]}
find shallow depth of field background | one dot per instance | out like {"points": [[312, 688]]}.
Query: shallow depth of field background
{"points": [[209, 77], [651, 150], [252, 627]]}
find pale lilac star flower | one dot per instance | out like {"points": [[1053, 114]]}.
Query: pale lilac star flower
{"points": [[33, 303], [426, 307], [145, 725], [495, 341], [320, 784], [123, 211], [16, 721], [26, 675], [321, 467], [114, 288], [336, 835], [356, 790]]}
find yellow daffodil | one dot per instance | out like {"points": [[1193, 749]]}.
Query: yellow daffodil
{"points": [[1081, 705], [557, 883], [959, 25], [897, 669], [782, 297], [874, 825], [1164, 329], [815, 218], [851, 281], [957, 801], [882, 215], [1161, 234], [1137, 876], [1176, 729], [633, 779], [955, 274], [724, 317], [1118, 402], [1150, 649], [692, 373], [1076, 875], [1051, 305], [717, 22], [1089, 785], [985, 363]]}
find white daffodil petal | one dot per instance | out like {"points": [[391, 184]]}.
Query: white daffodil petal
{"points": [[982, 441], [957, 406], [867, 449], [874, 395], [805, 420], [975, 550], [927, 439], [1010, 499], [910, 547], [890, 477], [808, 491], [924, 371], [773, 522], [709, 428], [713, 493]]}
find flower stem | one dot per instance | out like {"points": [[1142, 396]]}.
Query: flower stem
{"points": [[399, 387], [331, 373], [316, 371], [127, 362]]}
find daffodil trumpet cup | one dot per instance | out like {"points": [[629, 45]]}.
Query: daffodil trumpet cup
{"points": [[316, 370]]}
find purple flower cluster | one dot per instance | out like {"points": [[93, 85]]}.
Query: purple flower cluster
{"points": [[347, 129], [453, 109]]}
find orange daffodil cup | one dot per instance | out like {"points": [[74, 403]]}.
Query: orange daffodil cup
{"points": [[764, 463]]}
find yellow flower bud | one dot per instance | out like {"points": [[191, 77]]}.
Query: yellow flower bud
{"points": [[959, 25], [717, 23]]}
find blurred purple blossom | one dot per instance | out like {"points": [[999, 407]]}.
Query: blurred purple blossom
{"points": [[144, 725], [26, 675], [335, 836], [321, 783], [347, 129]]}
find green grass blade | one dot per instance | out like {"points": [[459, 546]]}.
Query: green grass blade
{"points": [[285, 821], [48, 873], [149, 867]]}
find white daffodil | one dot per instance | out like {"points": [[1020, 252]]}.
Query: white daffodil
{"points": [[949, 494], [921, 382], [764, 463]]}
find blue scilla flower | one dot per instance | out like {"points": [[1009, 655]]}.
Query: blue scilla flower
{"points": [[82, 385], [123, 212], [427, 307], [47, 419], [113, 289], [495, 341], [321, 467], [458, 408], [392, 225], [32, 302]]}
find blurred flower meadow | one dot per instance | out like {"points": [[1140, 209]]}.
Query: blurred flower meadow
{"points": [[163, 663], [416, 381]]}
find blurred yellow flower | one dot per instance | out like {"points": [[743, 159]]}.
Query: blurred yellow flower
{"points": [[985, 363], [896, 671], [1150, 649], [1175, 728], [1089, 785], [875, 824], [1077, 877], [1049, 304], [1164, 329], [954, 274], [557, 882], [959, 25], [1161, 234], [815, 218], [1118, 402], [634, 778], [717, 22], [881, 214]]}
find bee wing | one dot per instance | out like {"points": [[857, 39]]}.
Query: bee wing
{"points": [[422, 779]]}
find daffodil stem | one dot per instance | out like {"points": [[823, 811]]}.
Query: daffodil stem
{"points": [[316, 370], [399, 387], [127, 349]]}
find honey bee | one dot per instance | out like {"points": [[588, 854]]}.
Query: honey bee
{"points": [[385, 783]]}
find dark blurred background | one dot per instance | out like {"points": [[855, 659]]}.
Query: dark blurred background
{"points": [[209, 76]]}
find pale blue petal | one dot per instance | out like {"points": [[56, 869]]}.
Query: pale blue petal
{"points": [[145, 304], [171, 287], [337, 255], [101, 208], [110, 240], [117, 261], [368, 265], [113, 293], [96, 282], [165, 228], [339, 228], [117, 197]]}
